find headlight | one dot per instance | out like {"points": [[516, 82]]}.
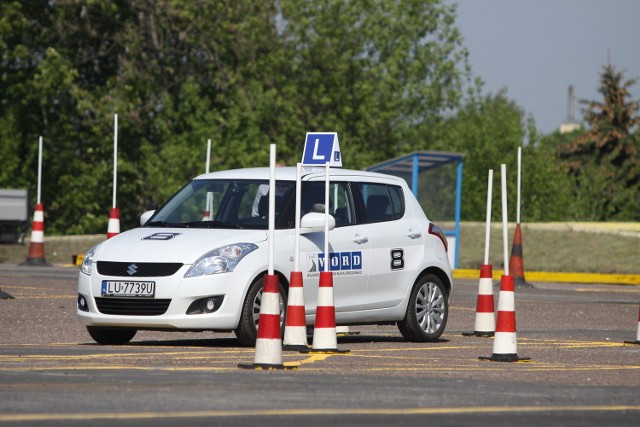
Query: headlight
{"points": [[220, 260], [87, 261]]}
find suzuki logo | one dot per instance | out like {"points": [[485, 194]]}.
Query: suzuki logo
{"points": [[132, 269]]}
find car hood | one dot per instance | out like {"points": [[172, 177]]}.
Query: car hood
{"points": [[184, 245]]}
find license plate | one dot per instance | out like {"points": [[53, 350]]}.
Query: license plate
{"points": [[121, 288]]}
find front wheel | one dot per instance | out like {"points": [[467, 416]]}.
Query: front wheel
{"points": [[111, 336], [247, 330], [427, 311]]}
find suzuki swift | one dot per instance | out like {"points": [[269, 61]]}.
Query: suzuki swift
{"points": [[197, 263]]}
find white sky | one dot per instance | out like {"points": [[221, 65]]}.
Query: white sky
{"points": [[537, 48]]}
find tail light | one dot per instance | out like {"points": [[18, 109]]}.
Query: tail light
{"points": [[437, 231]]}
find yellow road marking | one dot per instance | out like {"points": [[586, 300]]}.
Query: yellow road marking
{"points": [[314, 412]]}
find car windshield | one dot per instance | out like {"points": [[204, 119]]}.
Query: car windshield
{"points": [[224, 204]]}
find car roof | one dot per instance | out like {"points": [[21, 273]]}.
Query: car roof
{"points": [[288, 173]]}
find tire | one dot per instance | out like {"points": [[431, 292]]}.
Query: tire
{"points": [[247, 330], [427, 311], [111, 336]]}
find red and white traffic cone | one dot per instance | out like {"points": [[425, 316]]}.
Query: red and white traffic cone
{"points": [[206, 216], [269, 341], [35, 255], [113, 228], [637, 341], [324, 331], [295, 328], [505, 345], [485, 324]]}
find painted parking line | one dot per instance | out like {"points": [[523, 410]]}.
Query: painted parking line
{"points": [[312, 412]]}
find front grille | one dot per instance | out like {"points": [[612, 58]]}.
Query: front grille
{"points": [[133, 306], [138, 269]]}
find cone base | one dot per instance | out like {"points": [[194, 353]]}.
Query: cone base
{"points": [[324, 351], [522, 283], [478, 334], [36, 262], [4, 295], [632, 342], [295, 347], [265, 367], [509, 357]]}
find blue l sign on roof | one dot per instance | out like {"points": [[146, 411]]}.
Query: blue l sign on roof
{"points": [[320, 148]]}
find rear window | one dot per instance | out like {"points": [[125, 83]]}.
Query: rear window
{"points": [[382, 202]]}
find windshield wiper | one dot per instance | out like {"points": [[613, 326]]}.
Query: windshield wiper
{"points": [[162, 224], [210, 224]]}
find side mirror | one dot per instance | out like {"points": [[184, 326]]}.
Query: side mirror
{"points": [[145, 217], [313, 222]]}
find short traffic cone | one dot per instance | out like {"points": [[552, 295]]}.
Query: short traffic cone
{"points": [[516, 262], [35, 256], [505, 345], [324, 332], [269, 342], [485, 324], [114, 223], [206, 216], [295, 328], [637, 341]]}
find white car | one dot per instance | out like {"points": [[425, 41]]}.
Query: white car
{"points": [[197, 263]]}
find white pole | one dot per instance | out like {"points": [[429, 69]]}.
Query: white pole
{"points": [[115, 157], [272, 204], [326, 219], [208, 155], [209, 202], [487, 234], [503, 176], [519, 180], [296, 251], [39, 170]]}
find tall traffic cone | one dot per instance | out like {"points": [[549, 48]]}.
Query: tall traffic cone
{"points": [[35, 255], [505, 345], [324, 332], [516, 262], [485, 324], [295, 328], [269, 342], [113, 228], [637, 341]]}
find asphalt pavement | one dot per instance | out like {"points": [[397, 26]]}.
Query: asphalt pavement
{"points": [[580, 371]]}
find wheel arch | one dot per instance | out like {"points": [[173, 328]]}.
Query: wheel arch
{"points": [[440, 274]]}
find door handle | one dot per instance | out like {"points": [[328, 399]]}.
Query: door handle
{"points": [[360, 239], [414, 234]]}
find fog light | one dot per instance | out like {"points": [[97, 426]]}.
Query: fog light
{"points": [[205, 305], [82, 303]]}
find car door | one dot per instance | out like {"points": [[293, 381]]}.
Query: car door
{"points": [[396, 243], [348, 247]]}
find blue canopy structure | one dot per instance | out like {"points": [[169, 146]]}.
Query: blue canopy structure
{"points": [[435, 177]]}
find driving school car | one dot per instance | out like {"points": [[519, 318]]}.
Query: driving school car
{"points": [[197, 263]]}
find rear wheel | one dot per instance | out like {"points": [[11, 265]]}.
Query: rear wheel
{"points": [[111, 336], [247, 330], [427, 311]]}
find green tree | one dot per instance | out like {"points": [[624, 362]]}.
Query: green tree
{"points": [[605, 160]]}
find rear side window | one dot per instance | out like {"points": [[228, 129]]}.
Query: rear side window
{"points": [[382, 202]]}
